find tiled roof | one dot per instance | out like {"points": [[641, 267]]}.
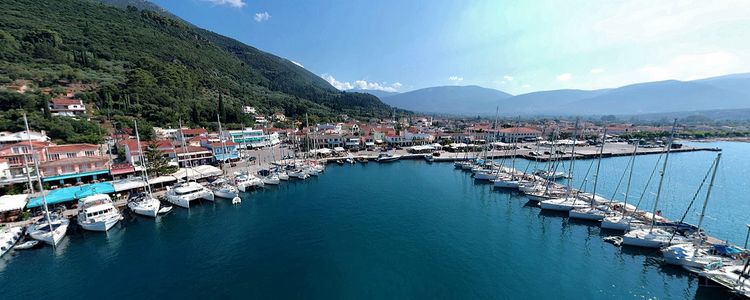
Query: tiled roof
{"points": [[74, 160], [66, 101], [71, 148]]}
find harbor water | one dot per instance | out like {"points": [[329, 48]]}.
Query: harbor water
{"points": [[399, 230]]}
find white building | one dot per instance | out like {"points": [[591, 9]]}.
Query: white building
{"points": [[22, 136], [253, 138], [67, 107], [249, 110]]}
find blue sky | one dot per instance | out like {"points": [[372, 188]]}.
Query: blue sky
{"points": [[514, 46]]}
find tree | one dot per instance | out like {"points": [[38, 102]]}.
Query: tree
{"points": [[156, 163]]}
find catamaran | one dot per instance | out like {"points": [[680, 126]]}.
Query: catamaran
{"points": [[183, 193], [97, 213], [144, 204]]}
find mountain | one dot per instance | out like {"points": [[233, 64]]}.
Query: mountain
{"points": [[455, 100], [144, 63], [376, 93], [717, 93]]}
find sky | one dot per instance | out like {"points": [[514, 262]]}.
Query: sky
{"points": [[514, 46]]}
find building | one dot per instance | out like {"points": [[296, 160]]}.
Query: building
{"points": [[73, 162], [223, 151], [22, 136], [188, 133], [191, 156], [253, 138], [514, 134], [279, 117], [20, 161], [249, 110], [66, 107]]}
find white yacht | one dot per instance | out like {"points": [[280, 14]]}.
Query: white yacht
{"points": [[223, 189], [97, 213], [9, 237], [652, 238], [689, 255], [563, 204], [620, 222], [597, 213], [272, 179], [49, 230], [145, 205], [283, 175], [298, 173], [246, 182], [182, 193], [734, 277], [387, 157]]}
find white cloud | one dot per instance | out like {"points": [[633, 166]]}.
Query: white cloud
{"points": [[508, 77], [692, 66], [564, 77], [362, 84], [526, 86], [261, 16], [232, 3], [596, 71], [296, 63], [456, 78]]}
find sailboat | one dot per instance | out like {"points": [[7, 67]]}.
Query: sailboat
{"points": [[594, 212], [221, 187], [622, 221], [145, 204], [182, 193], [568, 202], [693, 255], [653, 237], [51, 228]]}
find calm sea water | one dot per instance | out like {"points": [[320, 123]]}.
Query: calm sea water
{"points": [[400, 230]]}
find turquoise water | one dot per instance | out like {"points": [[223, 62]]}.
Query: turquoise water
{"points": [[375, 231]]}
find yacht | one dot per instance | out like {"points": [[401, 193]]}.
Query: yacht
{"points": [[272, 179], [620, 222], [49, 230], [246, 182], [223, 189], [506, 183], [145, 204], [387, 157], [597, 213], [282, 175], [97, 213], [9, 237], [550, 175], [429, 158], [298, 173], [182, 193], [653, 238], [563, 204], [689, 255], [734, 277]]}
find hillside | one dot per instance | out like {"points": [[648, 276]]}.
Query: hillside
{"points": [[146, 64], [456, 100]]}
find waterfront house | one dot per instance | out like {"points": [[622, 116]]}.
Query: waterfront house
{"points": [[19, 160], [191, 156], [253, 138], [518, 134], [223, 152], [74, 162], [66, 107], [188, 133]]}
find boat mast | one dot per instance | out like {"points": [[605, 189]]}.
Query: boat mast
{"points": [[708, 195], [630, 179], [598, 165], [184, 151], [661, 176], [141, 158], [38, 174], [223, 144], [572, 160]]}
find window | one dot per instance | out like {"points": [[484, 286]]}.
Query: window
{"points": [[89, 153], [71, 155], [54, 156]]}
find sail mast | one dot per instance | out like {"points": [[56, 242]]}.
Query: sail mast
{"points": [[661, 176], [598, 165], [38, 174], [572, 160], [141, 158]]}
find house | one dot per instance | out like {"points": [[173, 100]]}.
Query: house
{"points": [[249, 110], [73, 162], [20, 161], [261, 120], [329, 128], [22, 136], [132, 150], [191, 156], [278, 117], [253, 138], [66, 107], [188, 133], [223, 151]]}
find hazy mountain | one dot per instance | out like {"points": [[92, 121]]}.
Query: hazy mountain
{"points": [[459, 100], [735, 82], [376, 93], [545, 102]]}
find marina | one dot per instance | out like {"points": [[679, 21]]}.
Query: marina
{"points": [[359, 170]]}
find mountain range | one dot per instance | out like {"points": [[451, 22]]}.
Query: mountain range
{"points": [[716, 93]]}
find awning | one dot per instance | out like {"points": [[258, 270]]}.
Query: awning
{"points": [[13, 202], [197, 172], [74, 175], [369, 144], [338, 149], [72, 193]]}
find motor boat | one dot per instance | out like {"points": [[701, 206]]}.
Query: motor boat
{"points": [[50, 230], [387, 157], [429, 158], [9, 237], [144, 204], [97, 213], [183, 193]]}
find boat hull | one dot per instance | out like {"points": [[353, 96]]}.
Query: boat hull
{"points": [[103, 225]]}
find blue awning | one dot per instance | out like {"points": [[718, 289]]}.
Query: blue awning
{"points": [[72, 193], [74, 175]]}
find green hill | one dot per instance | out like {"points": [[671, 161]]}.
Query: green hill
{"points": [[146, 64]]}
